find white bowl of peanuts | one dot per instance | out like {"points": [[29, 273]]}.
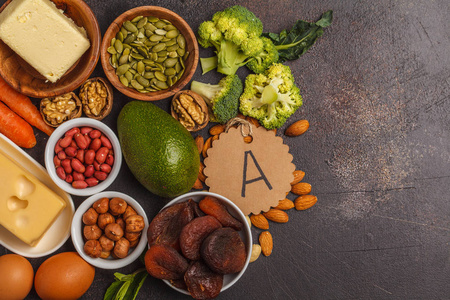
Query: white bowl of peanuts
{"points": [[83, 156]]}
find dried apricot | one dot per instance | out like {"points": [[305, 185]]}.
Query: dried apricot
{"points": [[212, 206], [197, 211], [164, 262], [165, 228], [193, 234], [224, 251], [202, 282]]}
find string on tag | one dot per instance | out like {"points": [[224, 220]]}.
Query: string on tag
{"points": [[241, 123]]}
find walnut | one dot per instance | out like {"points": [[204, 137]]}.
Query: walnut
{"points": [[56, 110], [97, 98], [190, 110]]}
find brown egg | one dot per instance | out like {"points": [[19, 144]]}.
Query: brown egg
{"points": [[16, 277], [63, 276]]}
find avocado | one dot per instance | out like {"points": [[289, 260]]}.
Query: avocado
{"points": [[159, 151]]}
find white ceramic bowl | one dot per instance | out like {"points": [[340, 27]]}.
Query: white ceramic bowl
{"points": [[50, 153], [77, 233], [245, 233]]}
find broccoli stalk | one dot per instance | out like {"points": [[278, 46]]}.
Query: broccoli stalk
{"points": [[222, 98]]}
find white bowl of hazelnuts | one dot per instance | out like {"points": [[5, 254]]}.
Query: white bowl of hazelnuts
{"points": [[109, 230]]}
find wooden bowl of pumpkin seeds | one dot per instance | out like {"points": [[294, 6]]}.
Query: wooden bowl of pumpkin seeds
{"points": [[149, 53]]}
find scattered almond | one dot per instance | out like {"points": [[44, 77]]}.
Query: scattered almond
{"points": [[215, 137], [248, 139], [206, 146], [199, 141], [285, 204], [198, 185], [276, 215], [259, 221], [256, 251], [297, 128], [301, 188], [298, 176], [217, 129], [201, 175], [266, 242], [305, 202]]}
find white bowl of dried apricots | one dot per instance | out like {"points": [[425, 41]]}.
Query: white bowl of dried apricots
{"points": [[200, 244]]}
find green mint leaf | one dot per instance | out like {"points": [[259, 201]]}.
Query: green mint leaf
{"points": [[136, 285], [112, 290]]}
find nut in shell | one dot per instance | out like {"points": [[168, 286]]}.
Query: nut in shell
{"points": [[56, 110], [96, 95], [190, 110]]}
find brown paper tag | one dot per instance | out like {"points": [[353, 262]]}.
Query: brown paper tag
{"points": [[256, 175]]}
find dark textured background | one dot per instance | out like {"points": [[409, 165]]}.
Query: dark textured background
{"points": [[376, 89]]}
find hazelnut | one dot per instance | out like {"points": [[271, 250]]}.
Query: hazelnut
{"points": [[106, 243], [129, 212], [121, 222], [113, 231], [132, 236], [134, 243], [105, 219], [101, 205], [92, 232], [134, 223], [121, 248], [90, 217], [117, 206], [93, 248]]}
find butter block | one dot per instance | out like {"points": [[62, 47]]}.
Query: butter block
{"points": [[43, 36], [27, 207]]}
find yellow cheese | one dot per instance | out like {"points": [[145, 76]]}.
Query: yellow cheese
{"points": [[27, 207], [43, 36]]}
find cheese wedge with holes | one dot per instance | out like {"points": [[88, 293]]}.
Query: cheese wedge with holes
{"points": [[27, 207], [43, 36]]}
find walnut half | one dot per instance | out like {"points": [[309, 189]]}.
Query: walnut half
{"points": [[190, 110], [97, 98]]}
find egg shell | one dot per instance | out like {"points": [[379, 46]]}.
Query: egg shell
{"points": [[63, 276], [16, 277]]}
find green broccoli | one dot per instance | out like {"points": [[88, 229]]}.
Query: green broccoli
{"points": [[222, 98], [235, 33], [271, 97], [269, 55]]}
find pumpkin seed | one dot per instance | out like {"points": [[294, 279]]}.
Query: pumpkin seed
{"points": [[123, 59], [124, 31], [160, 24], [177, 67], [132, 71], [170, 62], [113, 60], [123, 80], [160, 76], [137, 56], [128, 76], [136, 19], [148, 33], [140, 67], [148, 62], [153, 19], [122, 69], [143, 51], [144, 82], [161, 84], [160, 59], [111, 50], [171, 42], [150, 26], [142, 22], [162, 53], [170, 81], [159, 47], [136, 85], [180, 51], [169, 27], [113, 40], [155, 38], [130, 26], [170, 72], [160, 31], [172, 54], [118, 45], [172, 33], [149, 75], [119, 36], [181, 41]]}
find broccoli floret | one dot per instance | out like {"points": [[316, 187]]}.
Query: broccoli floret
{"points": [[222, 98], [271, 97], [269, 55], [235, 33]]}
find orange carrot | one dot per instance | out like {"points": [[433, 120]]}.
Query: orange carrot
{"points": [[15, 128], [22, 105]]}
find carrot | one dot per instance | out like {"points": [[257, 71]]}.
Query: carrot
{"points": [[22, 105], [15, 128]]}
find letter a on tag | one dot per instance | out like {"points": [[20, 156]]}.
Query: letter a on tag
{"points": [[255, 175]]}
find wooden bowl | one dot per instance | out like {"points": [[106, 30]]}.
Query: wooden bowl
{"points": [[179, 23], [26, 80]]}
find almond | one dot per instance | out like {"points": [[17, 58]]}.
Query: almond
{"points": [[206, 146], [259, 221], [256, 251], [305, 202], [266, 242], [198, 185], [199, 141], [276, 215], [248, 139], [297, 128], [285, 204], [217, 129], [215, 137], [201, 176], [301, 188], [298, 176]]}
